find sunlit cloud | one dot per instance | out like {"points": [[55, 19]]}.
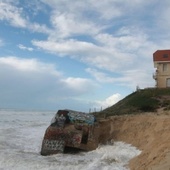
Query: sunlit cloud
{"points": [[79, 84], [109, 101], [22, 47]]}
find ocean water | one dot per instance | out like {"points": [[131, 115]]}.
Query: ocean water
{"points": [[21, 134]]}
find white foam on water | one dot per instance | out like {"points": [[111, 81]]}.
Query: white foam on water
{"points": [[21, 135]]}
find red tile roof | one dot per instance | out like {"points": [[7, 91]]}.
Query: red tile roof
{"points": [[161, 55]]}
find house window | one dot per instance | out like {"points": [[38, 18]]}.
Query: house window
{"points": [[165, 67], [168, 82], [165, 56]]}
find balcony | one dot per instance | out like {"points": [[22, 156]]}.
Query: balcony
{"points": [[155, 76]]}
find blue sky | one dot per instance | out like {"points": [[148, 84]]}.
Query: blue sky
{"points": [[57, 54]]}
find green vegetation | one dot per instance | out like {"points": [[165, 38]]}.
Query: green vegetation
{"points": [[141, 101]]}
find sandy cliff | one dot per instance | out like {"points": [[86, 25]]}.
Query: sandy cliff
{"points": [[149, 132]]}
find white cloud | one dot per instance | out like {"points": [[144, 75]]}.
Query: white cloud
{"points": [[16, 17], [79, 84], [109, 53], [133, 78], [22, 47], [37, 84], [162, 21], [127, 39], [70, 47], [107, 9], [66, 24], [12, 14], [32, 65], [130, 78], [89, 53], [125, 50], [109, 101], [35, 27], [129, 56], [100, 76]]}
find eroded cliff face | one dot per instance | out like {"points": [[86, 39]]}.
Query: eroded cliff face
{"points": [[149, 132]]}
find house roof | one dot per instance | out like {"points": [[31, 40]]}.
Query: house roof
{"points": [[161, 55]]}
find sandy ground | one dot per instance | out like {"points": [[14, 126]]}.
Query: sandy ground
{"points": [[149, 132]]}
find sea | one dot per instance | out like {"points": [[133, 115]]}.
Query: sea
{"points": [[21, 135]]}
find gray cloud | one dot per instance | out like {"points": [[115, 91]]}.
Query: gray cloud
{"points": [[30, 83]]}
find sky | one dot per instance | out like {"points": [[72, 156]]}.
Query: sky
{"points": [[78, 54]]}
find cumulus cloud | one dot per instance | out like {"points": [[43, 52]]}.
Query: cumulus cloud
{"points": [[79, 84], [109, 101]]}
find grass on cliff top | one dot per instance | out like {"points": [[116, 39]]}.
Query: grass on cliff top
{"points": [[146, 100]]}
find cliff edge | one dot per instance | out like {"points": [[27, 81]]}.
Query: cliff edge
{"points": [[149, 132], [145, 125]]}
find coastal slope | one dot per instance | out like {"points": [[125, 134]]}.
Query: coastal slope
{"points": [[146, 125]]}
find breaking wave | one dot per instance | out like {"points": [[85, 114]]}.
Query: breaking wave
{"points": [[21, 134]]}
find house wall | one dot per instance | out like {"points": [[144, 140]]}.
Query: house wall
{"points": [[162, 75]]}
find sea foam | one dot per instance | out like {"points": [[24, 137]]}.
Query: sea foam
{"points": [[21, 134]]}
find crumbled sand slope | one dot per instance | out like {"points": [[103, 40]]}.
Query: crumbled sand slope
{"points": [[148, 132]]}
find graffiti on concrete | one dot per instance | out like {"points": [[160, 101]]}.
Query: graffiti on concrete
{"points": [[69, 116], [70, 129], [69, 135], [57, 145], [81, 118]]}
